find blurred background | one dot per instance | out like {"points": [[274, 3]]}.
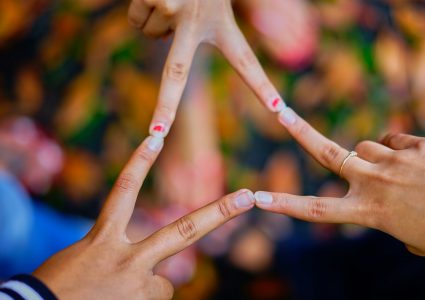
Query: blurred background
{"points": [[77, 90]]}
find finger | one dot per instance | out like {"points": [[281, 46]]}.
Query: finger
{"points": [[138, 13], [373, 152], [119, 206], [174, 80], [190, 228], [157, 25], [327, 153], [400, 141], [240, 55], [308, 208]]}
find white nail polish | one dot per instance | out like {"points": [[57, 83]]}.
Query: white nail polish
{"points": [[287, 117], [155, 143], [263, 198], [276, 104], [159, 129], [244, 200]]}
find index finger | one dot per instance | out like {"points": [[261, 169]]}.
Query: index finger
{"points": [[174, 79], [240, 55], [328, 153], [187, 230], [119, 206]]}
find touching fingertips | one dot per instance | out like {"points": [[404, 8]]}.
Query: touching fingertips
{"points": [[155, 143], [244, 200], [263, 198], [276, 104], [159, 129], [287, 117]]}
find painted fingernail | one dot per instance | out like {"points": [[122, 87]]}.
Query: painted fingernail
{"points": [[155, 143], [245, 199], [287, 117], [158, 130], [277, 104], [263, 198]]}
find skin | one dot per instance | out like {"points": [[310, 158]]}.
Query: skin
{"points": [[386, 180], [195, 22], [107, 265], [387, 184]]}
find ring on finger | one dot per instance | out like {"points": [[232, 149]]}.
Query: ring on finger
{"points": [[350, 155]]}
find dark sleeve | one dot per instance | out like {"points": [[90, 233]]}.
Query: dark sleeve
{"points": [[25, 287]]}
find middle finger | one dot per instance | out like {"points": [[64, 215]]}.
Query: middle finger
{"points": [[328, 153]]}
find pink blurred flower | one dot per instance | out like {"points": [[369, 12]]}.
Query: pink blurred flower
{"points": [[289, 29]]}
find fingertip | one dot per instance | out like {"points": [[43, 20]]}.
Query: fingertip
{"points": [[159, 129], [276, 104], [287, 117], [243, 199], [263, 198], [154, 143]]}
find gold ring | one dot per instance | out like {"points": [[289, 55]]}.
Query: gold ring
{"points": [[350, 155]]}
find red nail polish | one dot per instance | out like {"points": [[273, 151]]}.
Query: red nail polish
{"points": [[276, 104], [158, 128]]}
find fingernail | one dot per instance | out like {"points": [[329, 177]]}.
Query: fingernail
{"points": [[245, 199], [158, 130], [287, 117], [155, 143], [263, 198], [277, 104]]}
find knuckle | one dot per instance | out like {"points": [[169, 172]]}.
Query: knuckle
{"points": [[301, 129], [167, 112], [361, 147], [145, 154], [316, 208], [126, 182], [176, 71], [330, 153], [224, 209], [186, 228]]}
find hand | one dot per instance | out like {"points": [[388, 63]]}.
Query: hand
{"points": [[387, 184], [195, 22], [106, 265]]}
